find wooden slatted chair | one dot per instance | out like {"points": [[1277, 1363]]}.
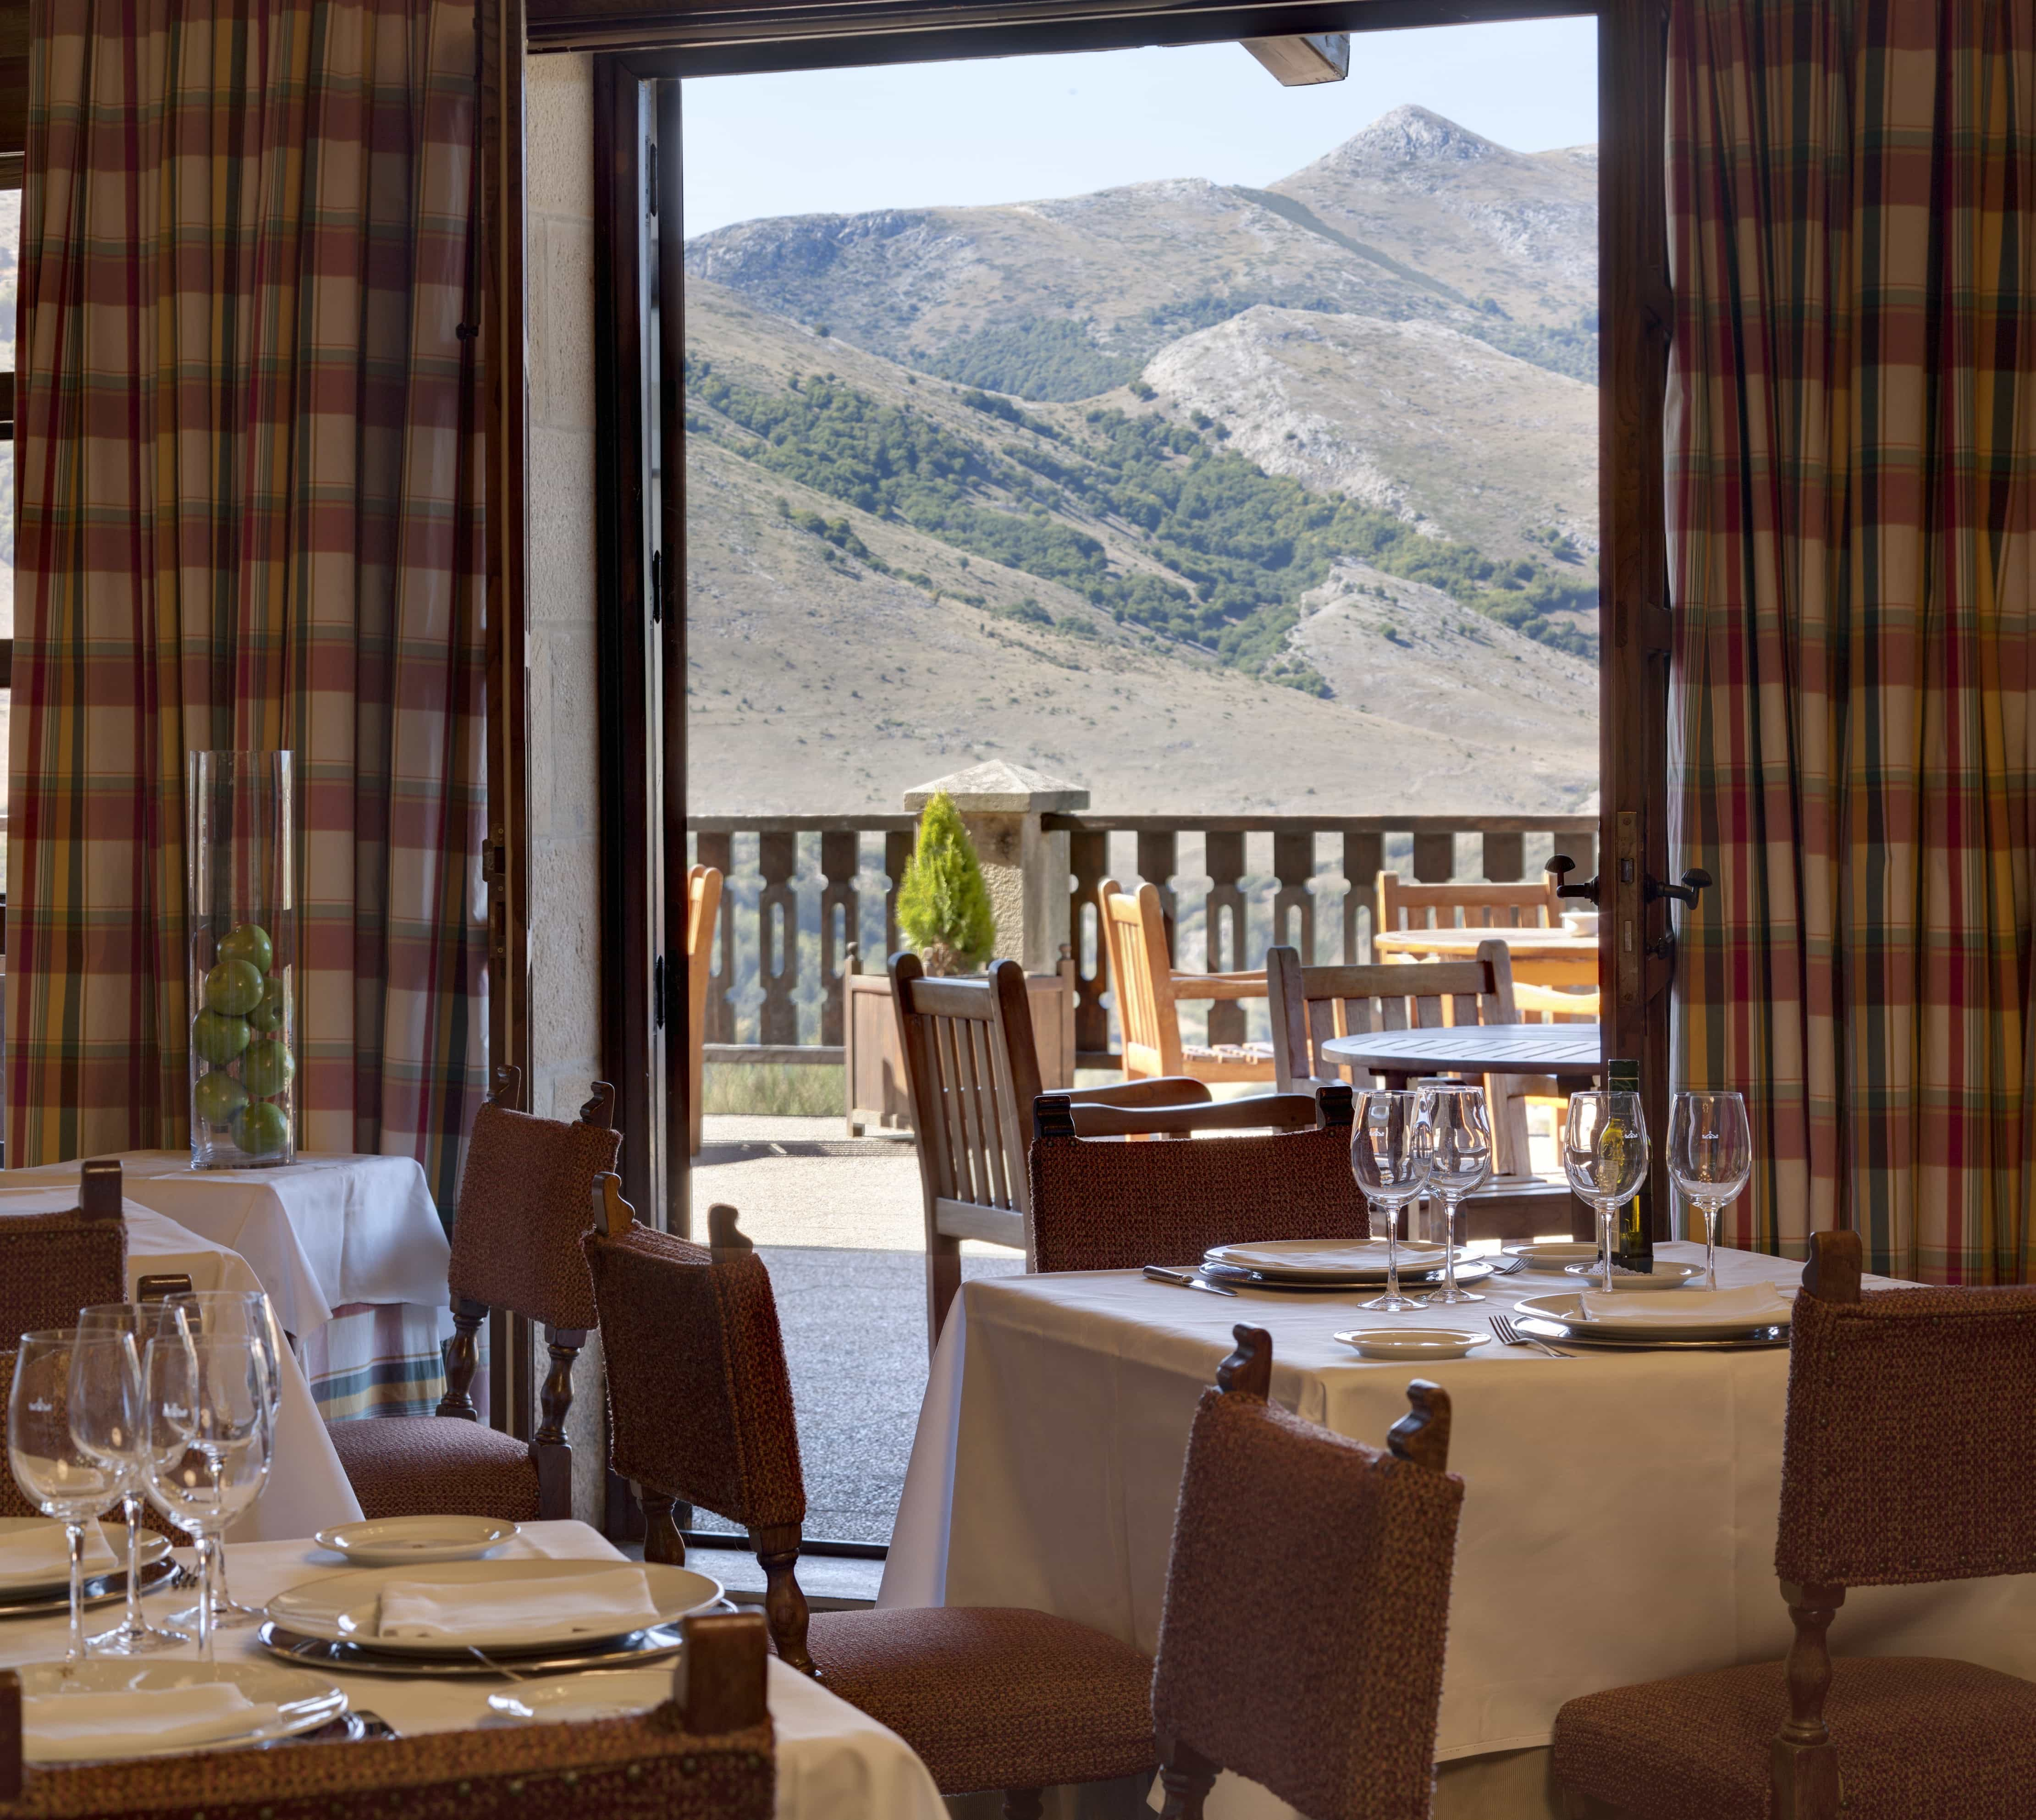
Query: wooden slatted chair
{"points": [[973, 1071], [1148, 989], [1099, 1204], [703, 907], [700, 1413], [1311, 1004], [515, 1244], [707, 1754], [1460, 903], [1909, 1458], [1322, 1682]]}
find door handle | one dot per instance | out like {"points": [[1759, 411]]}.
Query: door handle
{"points": [[1561, 865]]}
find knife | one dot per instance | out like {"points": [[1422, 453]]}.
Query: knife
{"points": [[1185, 1278]]}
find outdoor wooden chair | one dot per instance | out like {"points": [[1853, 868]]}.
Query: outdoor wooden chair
{"points": [[1148, 989], [973, 1071], [1100, 1204], [1909, 1457], [1459, 903], [700, 1413], [515, 1245], [702, 908], [1307, 1602], [707, 1754], [1311, 1004]]}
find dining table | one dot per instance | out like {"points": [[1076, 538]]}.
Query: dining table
{"points": [[833, 1761], [1573, 1052], [1619, 1522]]}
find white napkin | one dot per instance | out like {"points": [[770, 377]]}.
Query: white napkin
{"points": [[204, 1713], [1758, 1305], [1350, 1255], [604, 1602], [43, 1552]]}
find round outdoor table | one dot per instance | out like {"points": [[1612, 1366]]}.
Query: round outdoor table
{"points": [[1573, 1052]]}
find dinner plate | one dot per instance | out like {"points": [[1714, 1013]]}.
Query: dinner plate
{"points": [[109, 1559], [1554, 1257], [414, 1541], [1566, 1311], [352, 1658], [1469, 1270], [1321, 1259], [304, 1701], [573, 1699], [1663, 1276], [342, 1607], [100, 1589], [1413, 1343]]}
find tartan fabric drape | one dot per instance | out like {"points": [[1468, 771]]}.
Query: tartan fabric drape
{"points": [[1852, 467], [249, 471]]}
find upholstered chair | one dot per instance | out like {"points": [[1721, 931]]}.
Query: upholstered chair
{"points": [[699, 1411], [1118, 1204], [1909, 1457], [707, 1755], [1307, 1599], [524, 1201]]}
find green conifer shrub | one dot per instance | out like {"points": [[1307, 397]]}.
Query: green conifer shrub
{"points": [[943, 905]]}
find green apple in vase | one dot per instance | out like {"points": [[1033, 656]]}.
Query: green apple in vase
{"points": [[267, 1016], [260, 1128], [249, 942], [267, 1068], [218, 1097], [233, 988], [219, 1038]]}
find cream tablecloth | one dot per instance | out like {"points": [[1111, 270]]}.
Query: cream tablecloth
{"points": [[834, 1762], [307, 1487], [1619, 1524]]}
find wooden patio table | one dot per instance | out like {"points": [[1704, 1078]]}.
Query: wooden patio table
{"points": [[1573, 1052], [1462, 944]]}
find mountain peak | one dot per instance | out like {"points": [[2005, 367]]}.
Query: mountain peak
{"points": [[1411, 134]]}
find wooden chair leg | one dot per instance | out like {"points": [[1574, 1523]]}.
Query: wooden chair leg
{"points": [[784, 1602], [1023, 1803], [1186, 1776], [463, 1359], [550, 1452], [943, 1282], [662, 1540]]}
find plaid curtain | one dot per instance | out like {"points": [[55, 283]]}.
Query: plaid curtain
{"points": [[249, 479], [1853, 473]]}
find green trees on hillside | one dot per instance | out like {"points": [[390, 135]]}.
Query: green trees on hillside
{"points": [[1042, 357]]}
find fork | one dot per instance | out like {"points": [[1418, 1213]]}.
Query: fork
{"points": [[1508, 1335]]}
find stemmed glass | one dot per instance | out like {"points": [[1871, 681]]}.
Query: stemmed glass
{"points": [[238, 1314], [57, 1477], [206, 1404], [1388, 1157], [1604, 1155], [1459, 1145], [1710, 1159], [107, 1422]]}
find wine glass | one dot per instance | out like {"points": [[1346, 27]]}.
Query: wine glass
{"points": [[244, 1314], [1710, 1159], [54, 1474], [1459, 1146], [1604, 1155], [205, 1401], [1388, 1157]]}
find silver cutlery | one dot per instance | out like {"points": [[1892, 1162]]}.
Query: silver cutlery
{"points": [[1186, 1279], [1508, 1335], [1510, 1265]]}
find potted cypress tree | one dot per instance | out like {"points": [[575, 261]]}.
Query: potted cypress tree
{"points": [[943, 905]]}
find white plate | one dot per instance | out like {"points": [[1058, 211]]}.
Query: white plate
{"points": [[412, 1541], [306, 1702], [573, 1699], [1413, 1342], [1323, 1260], [342, 1607], [1552, 1258], [1692, 1324], [112, 1557], [1663, 1276]]}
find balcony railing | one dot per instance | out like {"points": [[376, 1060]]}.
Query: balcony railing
{"points": [[810, 898]]}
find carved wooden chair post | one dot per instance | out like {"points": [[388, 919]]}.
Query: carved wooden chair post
{"points": [[704, 885]]}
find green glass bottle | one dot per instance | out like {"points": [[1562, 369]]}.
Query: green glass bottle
{"points": [[1636, 1230]]}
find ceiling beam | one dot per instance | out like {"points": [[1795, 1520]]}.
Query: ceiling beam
{"points": [[1300, 63]]}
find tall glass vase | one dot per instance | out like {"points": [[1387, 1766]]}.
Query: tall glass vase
{"points": [[239, 842]]}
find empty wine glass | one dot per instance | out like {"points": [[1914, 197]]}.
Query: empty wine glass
{"points": [[54, 1472], [1604, 1155], [1388, 1157], [243, 1314], [1710, 1159], [1459, 1146], [206, 1403]]}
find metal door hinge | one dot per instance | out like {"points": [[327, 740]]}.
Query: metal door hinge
{"points": [[658, 994]]}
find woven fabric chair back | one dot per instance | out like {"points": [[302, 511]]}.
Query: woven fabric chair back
{"points": [[1911, 1451], [699, 1403], [1307, 1599], [525, 1199], [1116, 1203], [52, 1264]]}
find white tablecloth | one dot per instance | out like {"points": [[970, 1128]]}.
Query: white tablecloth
{"points": [[1618, 1523], [321, 1233], [307, 1487], [834, 1762]]}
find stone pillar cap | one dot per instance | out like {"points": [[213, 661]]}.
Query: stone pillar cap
{"points": [[996, 788]]}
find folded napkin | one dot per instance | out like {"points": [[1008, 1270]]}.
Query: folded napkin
{"points": [[1353, 1254], [28, 1554], [605, 1602], [1758, 1305], [205, 1713]]}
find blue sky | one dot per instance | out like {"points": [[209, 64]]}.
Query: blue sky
{"points": [[1011, 129]]}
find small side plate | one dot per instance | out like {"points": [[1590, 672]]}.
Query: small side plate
{"points": [[1414, 1342], [408, 1541], [1663, 1276], [303, 1702]]}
